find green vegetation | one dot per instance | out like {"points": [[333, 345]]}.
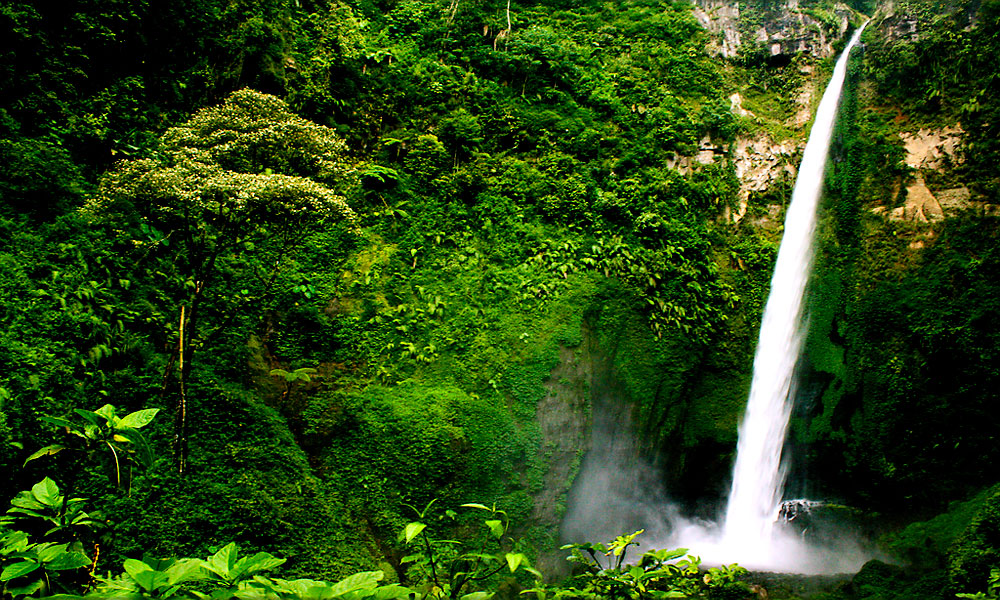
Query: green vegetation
{"points": [[340, 249], [658, 574]]}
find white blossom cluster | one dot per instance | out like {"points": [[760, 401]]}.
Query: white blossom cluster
{"points": [[251, 132], [194, 189], [228, 163]]}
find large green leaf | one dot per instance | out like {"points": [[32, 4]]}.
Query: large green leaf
{"points": [[185, 570], [134, 567], [19, 569], [365, 580], [84, 519], [26, 503], [27, 589], [109, 413], [91, 417], [391, 592], [262, 588], [46, 451], [668, 571], [412, 530], [222, 562], [47, 492], [248, 565], [514, 560], [46, 552], [139, 418], [140, 448], [145, 576], [665, 555], [14, 541], [496, 527], [67, 561]]}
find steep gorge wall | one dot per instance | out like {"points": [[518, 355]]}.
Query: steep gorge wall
{"points": [[904, 304]]}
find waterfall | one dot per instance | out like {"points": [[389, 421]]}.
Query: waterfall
{"points": [[616, 489], [759, 475]]}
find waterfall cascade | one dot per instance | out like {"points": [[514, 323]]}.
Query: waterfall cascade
{"points": [[613, 492], [758, 475]]}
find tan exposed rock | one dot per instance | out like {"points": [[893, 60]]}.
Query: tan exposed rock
{"points": [[796, 32], [759, 163], [720, 17], [898, 26], [788, 30], [924, 206], [931, 148], [921, 240], [804, 102], [707, 151], [736, 106], [682, 164], [955, 200], [804, 99], [921, 205]]}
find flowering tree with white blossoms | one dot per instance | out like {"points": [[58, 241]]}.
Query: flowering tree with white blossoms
{"points": [[231, 193]]}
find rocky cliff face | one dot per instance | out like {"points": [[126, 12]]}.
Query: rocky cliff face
{"points": [[935, 145], [928, 152], [769, 36], [933, 192], [783, 30]]}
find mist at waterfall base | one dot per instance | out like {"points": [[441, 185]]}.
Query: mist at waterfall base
{"points": [[617, 490]]}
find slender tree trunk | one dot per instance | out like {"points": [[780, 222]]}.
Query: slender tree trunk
{"points": [[185, 355], [180, 432]]}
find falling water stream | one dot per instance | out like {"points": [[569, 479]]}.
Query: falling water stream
{"points": [[613, 491], [759, 475]]}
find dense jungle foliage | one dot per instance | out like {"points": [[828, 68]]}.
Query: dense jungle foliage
{"points": [[277, 275]]}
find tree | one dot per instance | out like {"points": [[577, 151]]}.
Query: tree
{"points": [[219, 210]]}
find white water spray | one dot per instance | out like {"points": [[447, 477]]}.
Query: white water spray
{"points": [[759, 476]]}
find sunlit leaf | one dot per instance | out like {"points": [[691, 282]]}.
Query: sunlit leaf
{"points": [[514, 560], [139, 418], [18, 569], [46, 451], [47, 492], [496, 527], [412, 530], [364, 580]]}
